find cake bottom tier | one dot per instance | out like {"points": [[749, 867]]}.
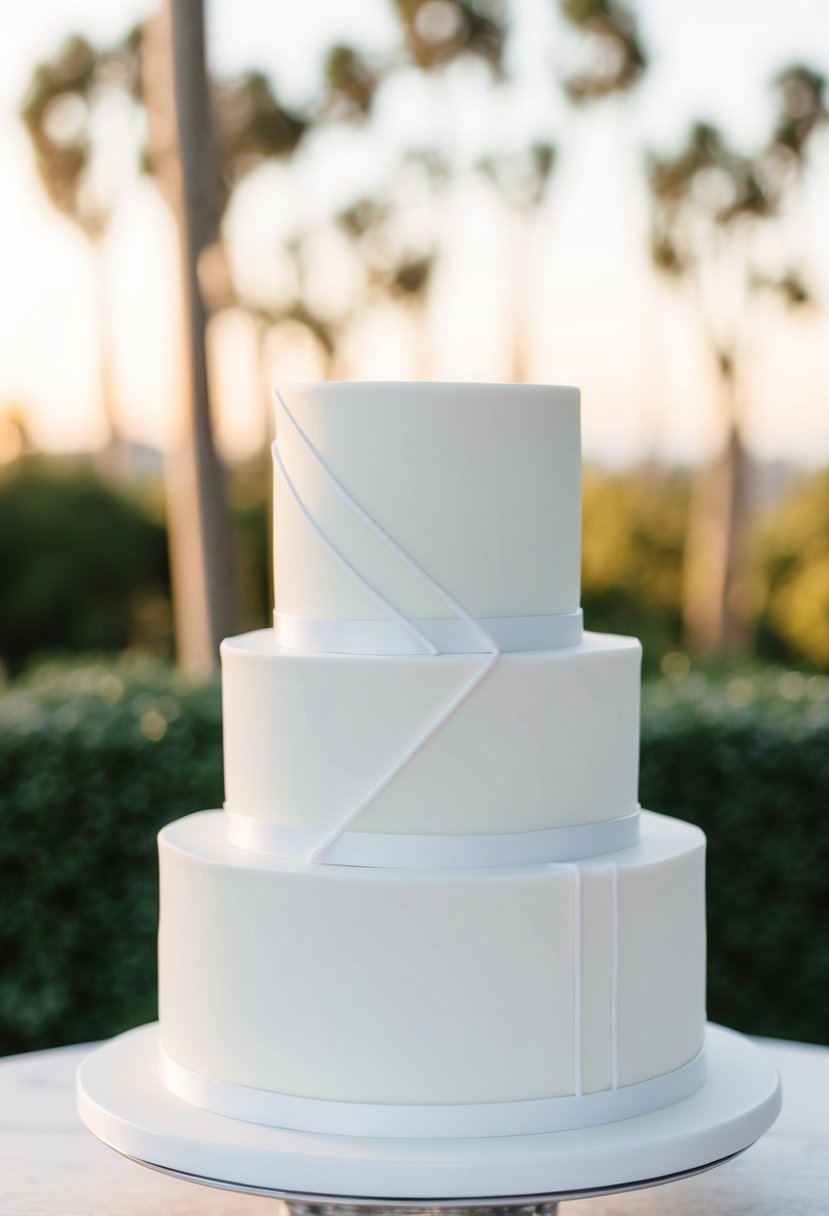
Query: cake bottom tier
{"points": [[431, 987]]}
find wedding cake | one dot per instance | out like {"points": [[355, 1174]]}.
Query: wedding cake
{"points": [[431, 906]]}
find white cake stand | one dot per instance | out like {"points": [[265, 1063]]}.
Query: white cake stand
{"points": [[122, 1100]]}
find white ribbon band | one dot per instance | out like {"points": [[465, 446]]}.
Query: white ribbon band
{"points": [[537, 1115], [448, 636], [437, 852]]}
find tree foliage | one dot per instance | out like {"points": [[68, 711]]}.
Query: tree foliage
{"points": [[708, 191], [793, 558], [617, 59], [84, 566], [59, 112], [711, 207], [632, 547], [438, 32], [350, 83]]}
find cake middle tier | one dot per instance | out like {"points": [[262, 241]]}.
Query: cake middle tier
{"points": [[548, 739]]}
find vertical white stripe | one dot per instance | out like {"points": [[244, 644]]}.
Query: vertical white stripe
{"points": [[577, 982], [570, 867], [578, 969], [614, 978]]}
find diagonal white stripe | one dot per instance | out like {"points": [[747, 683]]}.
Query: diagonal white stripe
{"points": [[343, 562], [488, 645], [379, 533]]}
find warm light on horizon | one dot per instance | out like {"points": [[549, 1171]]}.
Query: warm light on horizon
{"points": [[598, 317]]}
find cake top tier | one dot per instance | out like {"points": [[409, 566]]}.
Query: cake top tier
{"points": [[477, 486]]}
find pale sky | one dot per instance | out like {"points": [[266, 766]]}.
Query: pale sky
{"points": [[600, 319]]}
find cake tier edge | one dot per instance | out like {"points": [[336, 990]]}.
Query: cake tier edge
{"points": [[444, 987]]}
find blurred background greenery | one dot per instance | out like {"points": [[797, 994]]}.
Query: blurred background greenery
{"points": [[603, 192]]}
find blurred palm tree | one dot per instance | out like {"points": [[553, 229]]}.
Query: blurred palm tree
{"points": [[216, 133], [226, 130], [223, 131], [182, 153], [251, 126], [351, 83], [385, 268], [617, 56], [389, 265], [615, 62], [396, 260], [438, 32], [522, 180], [712, 206], [63, 105]]}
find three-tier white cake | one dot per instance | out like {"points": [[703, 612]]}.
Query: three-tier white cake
{"points": [[431, 905]]}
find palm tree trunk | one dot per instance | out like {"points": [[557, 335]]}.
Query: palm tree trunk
{"points": [[735, 626], [263, 379], [112, 460], [714, 591], [205, 596]]}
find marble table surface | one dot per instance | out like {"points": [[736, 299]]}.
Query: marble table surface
{"points": [[51, 1166]]}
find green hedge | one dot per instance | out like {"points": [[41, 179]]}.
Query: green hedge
{"points": [[747, 759], [100, 576], [94, 759]]}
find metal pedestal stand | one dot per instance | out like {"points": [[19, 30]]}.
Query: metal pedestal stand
{"points": [[299, 1208]]}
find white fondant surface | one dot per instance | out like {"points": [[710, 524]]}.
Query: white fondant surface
{"points": [[478, 483], [548, 739], [403, 986]]}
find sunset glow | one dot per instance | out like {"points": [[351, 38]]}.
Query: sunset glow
{"points": [[597, 315]]}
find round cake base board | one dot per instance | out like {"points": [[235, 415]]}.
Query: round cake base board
{"points": [[122, 1101]]}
